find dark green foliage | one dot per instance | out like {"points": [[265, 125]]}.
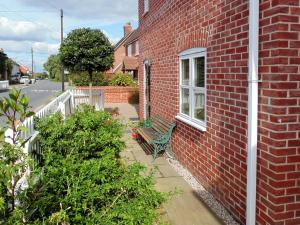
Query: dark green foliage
{"points": [[9, 67], [53, 67], [85, 133], [87, 50], [82, 79], [122, 80], [83, 180], [3, 59]]}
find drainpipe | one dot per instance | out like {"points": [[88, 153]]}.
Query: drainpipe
{"points": [[252, 110]]}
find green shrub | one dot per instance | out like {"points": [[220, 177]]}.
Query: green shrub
{"points": [[82, 180], [82, 79], [122, 80]]}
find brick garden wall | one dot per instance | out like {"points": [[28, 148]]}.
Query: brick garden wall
{"points": [[217, 157], [113, 94]]}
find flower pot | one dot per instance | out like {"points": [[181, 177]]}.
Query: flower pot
{"points": [[135, 134]]}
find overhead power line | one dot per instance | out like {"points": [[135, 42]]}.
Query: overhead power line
{"points": [[27, 11]]}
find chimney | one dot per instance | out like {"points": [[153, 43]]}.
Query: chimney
{"points": [[127, 29]]}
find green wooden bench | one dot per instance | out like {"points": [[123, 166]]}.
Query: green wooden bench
{"points": [[157, 132]]}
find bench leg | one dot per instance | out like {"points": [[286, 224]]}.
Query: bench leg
{"points": [[169, 151], [157, 148]]}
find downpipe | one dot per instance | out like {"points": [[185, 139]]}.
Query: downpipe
{"points": [[252, 111]]}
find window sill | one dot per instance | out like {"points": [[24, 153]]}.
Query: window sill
{"points": [[191, 123]]}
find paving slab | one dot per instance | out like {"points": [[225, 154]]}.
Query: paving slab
{"points": [[185, 208]]}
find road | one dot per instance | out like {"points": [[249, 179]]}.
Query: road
{"points": [[38, 94]]}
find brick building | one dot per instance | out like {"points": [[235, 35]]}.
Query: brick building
{"points": [[193, 69], [120, 50], [130, 62]]}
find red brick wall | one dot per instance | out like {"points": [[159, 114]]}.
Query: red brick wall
{"points": [[116, 94], [279, 133], [217, 157], [119, 55]]}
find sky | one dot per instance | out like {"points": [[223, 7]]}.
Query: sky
{"points": [[26, 24]]}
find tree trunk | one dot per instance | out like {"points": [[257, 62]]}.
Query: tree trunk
{"points": [[90, 89]]}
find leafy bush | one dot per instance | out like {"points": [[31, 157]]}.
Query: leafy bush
{"points": [[82, 180], [82, 79], [122, 80], [13, 162]]}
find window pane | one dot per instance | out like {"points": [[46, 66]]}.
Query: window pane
{"points": [[185, 101], [146, 6], [129, 50], [185, 69], [199, 108], [199, 71], [137, 48]]}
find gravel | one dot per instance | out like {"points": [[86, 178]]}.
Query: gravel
{"points": [[208, 198]]}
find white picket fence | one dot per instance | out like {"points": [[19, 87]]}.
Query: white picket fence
{"points": [[4, 85], [65, 103]]}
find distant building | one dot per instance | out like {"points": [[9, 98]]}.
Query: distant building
{"points": [[24, 70], [120, 51], [130, 62]]}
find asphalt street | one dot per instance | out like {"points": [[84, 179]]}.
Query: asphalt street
{"points": [[38, 94]]}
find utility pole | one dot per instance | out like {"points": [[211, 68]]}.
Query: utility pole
{"points": [[61, 40], [32, 72]]}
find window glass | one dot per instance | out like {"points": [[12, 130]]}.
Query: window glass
{"points": [[129, 50], [192, 86], [137, 48], [199, 69], [185, 101], [185, 70], [199, 106], [146, 6]]}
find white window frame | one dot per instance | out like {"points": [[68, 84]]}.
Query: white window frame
{"points": [[191, 54], [137, 48], [129, 50], [146, 6]]}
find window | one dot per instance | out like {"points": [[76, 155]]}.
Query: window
{"points": [[193, 87], [137, 48], [146, 6], [129, 50]]}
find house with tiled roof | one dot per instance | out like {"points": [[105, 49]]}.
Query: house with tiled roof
{"points": [[120, 50], [130, 62]]}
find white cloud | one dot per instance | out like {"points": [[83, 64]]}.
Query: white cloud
{"points": [[104, 11], [21, 52], [24, 31], [25, 47]]}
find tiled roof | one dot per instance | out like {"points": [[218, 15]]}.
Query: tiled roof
{"points": [[121, 42], [134, 36], [130, 63]]}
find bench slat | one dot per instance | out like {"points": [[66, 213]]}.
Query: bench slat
{"points": [[147, 133], [161, 125], [158, 135]]}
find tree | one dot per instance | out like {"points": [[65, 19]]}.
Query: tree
{"points": [[87, 50], [3, 59], [9, 67], [53, 67]]}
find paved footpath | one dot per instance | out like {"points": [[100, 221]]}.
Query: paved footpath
{"points": [[183, 209]]}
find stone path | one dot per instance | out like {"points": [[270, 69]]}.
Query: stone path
{"points": [[184, 208]]}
